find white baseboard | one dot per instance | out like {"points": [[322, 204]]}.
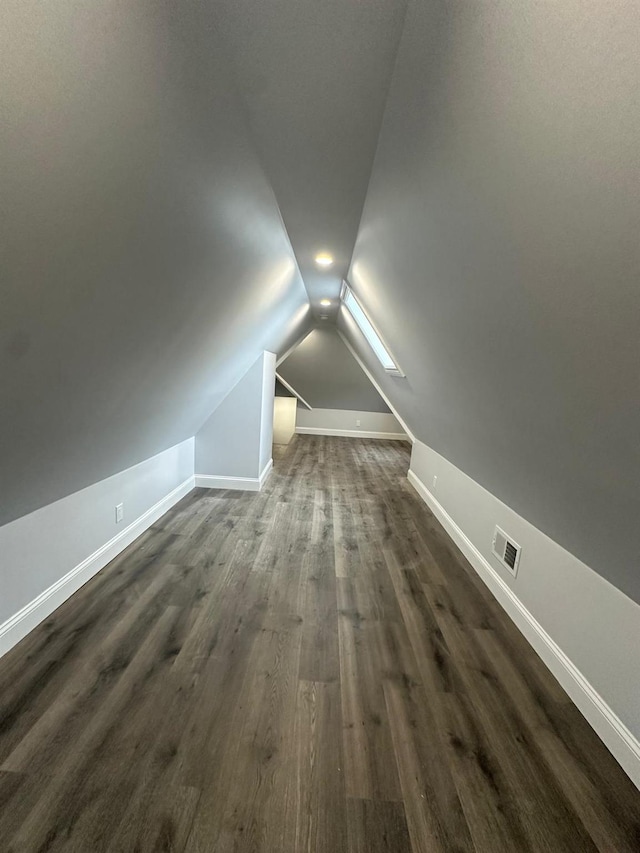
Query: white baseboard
{"points": [[352, 433], [410, 436], [28, 617], [243, 484], [620, 741], [268, 468]]}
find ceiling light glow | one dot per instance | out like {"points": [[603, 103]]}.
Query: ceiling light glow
{"points": [[325, 302], [324, 259]]}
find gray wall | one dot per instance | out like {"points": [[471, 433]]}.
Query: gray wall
{"points": [[499, 256], [344, 420], [73, 538], [281, 391], [236, 440], [323, 371], [315, 77], [144, 261]]}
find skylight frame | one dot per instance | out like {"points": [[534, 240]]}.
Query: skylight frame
{"points": [[369, 331]]}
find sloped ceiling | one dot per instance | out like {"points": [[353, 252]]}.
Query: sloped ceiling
{"points": [[315, 76], [144, 261], [327, 376], [170, 170], [498, 255]]}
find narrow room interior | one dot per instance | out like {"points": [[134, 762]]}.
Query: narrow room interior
{"points": [[319, 421]]}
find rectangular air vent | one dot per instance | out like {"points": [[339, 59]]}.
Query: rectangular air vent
{"points": [[506, 550]]}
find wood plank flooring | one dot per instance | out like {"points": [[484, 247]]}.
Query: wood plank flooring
{"points": [[311, 668]]}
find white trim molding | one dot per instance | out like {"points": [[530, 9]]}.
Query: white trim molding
{"points": [[242, 484], [28, 617], [352, 433], [285, 355], [293, 391], [409, 435], [369, 331], [620, 741]]}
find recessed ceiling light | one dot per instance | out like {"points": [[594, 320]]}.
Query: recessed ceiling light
{"points": [[324, 259], [325, 302]]}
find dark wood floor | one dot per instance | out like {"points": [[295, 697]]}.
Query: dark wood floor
{"points": [[311, 668]]}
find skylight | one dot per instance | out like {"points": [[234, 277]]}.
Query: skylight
{"points": [[373, 338]]}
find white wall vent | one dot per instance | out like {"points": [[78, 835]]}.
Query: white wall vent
{"points": [[506, 550]]}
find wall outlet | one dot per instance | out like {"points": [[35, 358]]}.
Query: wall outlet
{"points": [[435, 480], [119, 513], [358, 422]]}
